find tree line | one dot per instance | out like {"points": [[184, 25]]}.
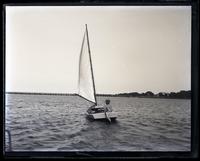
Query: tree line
{"points": [[181, 94]]}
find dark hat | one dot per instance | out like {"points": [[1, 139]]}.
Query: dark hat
{"points": [[107, 101]]}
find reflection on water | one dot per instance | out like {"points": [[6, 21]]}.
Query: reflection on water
{"points": [[43, 122]]}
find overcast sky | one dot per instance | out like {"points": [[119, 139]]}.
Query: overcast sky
{"points": [[132, 48]]}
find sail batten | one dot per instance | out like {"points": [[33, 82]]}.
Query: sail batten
{"points": [[86, 79]]}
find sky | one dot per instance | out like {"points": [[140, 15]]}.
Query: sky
{"points": [[133, 48]]}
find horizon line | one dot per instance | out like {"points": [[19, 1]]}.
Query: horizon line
{"points": [[54, 93]]}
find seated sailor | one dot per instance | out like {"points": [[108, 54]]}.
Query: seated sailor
{"points": [[97, 109], [107, 106]]}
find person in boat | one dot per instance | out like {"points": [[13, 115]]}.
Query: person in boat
{"points": [[107, 106]]}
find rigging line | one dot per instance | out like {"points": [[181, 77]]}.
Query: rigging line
{"points": [[91, 64], [87, 99]]}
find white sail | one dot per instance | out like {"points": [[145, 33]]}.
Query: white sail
{"points": [[86, 80]]}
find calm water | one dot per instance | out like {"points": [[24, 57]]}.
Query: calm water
{"points": [[58, 123]]}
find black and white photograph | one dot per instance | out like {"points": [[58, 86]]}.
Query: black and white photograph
{"points": [[98, 78]]}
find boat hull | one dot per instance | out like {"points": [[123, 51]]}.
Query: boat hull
{"points": [[102, 115]]}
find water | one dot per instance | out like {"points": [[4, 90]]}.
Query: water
{"points": [[58, 123]]}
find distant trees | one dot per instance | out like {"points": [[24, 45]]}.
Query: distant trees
{"points": [[149, 93], [182, 94]]}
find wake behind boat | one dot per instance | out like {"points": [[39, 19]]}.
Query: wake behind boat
{"points": [[87, 86]]}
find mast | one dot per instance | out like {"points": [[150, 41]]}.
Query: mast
{"points": [[87, 35]]}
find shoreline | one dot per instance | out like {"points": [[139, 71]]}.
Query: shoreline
{"points": [[101, 95]]}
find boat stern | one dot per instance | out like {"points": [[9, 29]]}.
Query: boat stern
{"points": [[99, 116]]}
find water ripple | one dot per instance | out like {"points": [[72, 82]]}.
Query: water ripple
{"points": [[58, 123]]}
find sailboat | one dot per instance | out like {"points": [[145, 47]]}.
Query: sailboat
{"points": [[86, 84]]}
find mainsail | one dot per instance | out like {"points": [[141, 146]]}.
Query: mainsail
{"points": [[86, 79]]}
